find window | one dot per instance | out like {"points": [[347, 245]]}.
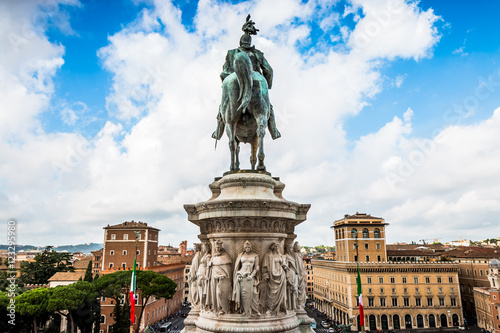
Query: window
{"points": [[406, 301], [138, 236], [113, 236], [452, 290], [366, 246], [125, 237], [365, 233], [394, 302], [381, 290], [428, 290], [441, 301], [453, 301], [418, 301], [404, 279], [111, 265], [354, 233], [450, 279], [438, 279], [381, 280], [379, 258], [367, 258], [124, 252], [370, 301], [393, 279], [378, 246], [405, 290], [368, 280], [103, 319], [138, 252], [104, 298], [369, 290], [112, 253], [393, 290], [429, 301], [417, 291], [415, 279], [427, 279], [376, 233], [124, 265], [440, 290], [355, 258], [382, 301]]}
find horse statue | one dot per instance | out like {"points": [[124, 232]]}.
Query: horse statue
{"points": [[245, 110]]}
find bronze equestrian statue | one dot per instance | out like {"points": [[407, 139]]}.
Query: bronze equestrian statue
{"points": [[245, 111]]}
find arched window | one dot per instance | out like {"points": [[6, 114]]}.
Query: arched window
{"points": [[432, 321], [103, 319], [365, 233], [395, 322], [354, 233], [455, 319], [376, 233], [420, 321], [408, 324]]}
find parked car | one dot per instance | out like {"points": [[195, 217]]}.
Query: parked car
{"points": [[331, 330], [324, 324]]}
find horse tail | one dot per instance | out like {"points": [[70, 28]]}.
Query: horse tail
{"points": [[244, 70]]}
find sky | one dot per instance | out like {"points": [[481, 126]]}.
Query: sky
{"points": [[386, 107]]}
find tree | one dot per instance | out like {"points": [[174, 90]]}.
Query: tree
{"points": [[153, 284], [88, 273], [34, 303], [69, 301], [149, 284], [44, 266]]}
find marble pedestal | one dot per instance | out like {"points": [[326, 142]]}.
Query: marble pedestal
{"points": [[246, 207]]}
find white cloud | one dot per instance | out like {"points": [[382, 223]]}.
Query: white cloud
{"points": [[167, 80]]}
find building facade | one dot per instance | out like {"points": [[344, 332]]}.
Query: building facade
{"points": [[402, 295], [118, 254], [487, 300]]}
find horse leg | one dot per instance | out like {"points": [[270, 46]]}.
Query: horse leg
{"points": [[261, 131], [237, 155], [230, 130], [253, 156]]}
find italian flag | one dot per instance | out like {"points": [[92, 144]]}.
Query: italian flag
{"points": [[360, 294], [132, 296]]}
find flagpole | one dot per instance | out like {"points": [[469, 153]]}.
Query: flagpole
{"points": [[360, 294], [137, 233]]}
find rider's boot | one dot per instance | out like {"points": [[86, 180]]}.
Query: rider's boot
{"points": [[271, 125], [219, 131]]}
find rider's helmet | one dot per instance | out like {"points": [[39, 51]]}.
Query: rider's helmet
{"points": [[246, 41]]}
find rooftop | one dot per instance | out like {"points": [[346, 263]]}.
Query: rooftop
{"points": [[131, 225]]}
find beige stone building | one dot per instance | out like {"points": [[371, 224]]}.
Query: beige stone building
{"points": [[487, 300], [397, 295], [472, 272]]}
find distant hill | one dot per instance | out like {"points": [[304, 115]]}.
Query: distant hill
{"points": [[84, 248]]}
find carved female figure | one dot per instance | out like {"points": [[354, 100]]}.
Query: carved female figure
{"points": [[203, 276], [192, 279], [245, 281], [274, 276], [302, 273]]}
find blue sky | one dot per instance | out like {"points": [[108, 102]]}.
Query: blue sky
{"points": [[395, 101]]}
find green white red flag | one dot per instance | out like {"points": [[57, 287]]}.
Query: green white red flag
{"points": [[360, 295], [132, 296]]}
